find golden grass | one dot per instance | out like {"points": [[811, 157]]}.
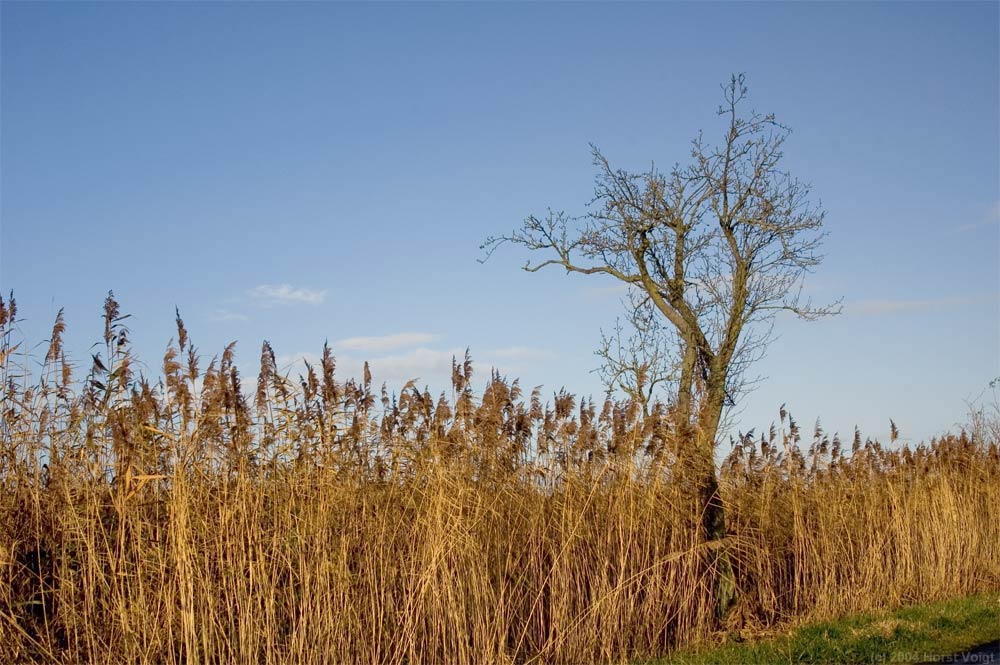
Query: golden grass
{"points": [[321, 524]]}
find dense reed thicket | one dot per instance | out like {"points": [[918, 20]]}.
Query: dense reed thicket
{"points": [[319, 521]]}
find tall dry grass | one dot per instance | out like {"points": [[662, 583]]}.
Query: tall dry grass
{"points": [[319, 521]]}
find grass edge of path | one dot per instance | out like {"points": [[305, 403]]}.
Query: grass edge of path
{"points": [[912, 634]]}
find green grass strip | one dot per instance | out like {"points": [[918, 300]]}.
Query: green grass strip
{"points": [[916, 634]]}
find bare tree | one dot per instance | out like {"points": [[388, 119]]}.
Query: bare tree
{"points": [[716, 247]]}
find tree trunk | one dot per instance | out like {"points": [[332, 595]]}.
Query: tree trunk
{"points": [[709, 501]]}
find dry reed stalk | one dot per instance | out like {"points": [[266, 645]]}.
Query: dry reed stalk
{"points": [[180, 523]]}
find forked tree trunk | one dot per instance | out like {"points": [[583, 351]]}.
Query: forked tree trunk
{"points": [[713, 525], [705, 482], [698, 474]]}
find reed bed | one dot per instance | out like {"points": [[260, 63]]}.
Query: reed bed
{"points": [[320, 521]]}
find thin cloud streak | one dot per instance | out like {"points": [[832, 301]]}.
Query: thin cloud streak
{"points": [[992, 218], [890, 306], [382, 343], [285, 294], [963, 228], [604, 291], [515, 353], [427, 366], [228, 315]]}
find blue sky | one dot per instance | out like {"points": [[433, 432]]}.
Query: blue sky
{"points": [[301, 172]]}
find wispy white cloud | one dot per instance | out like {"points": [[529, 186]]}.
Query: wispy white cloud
{"points": [[518, 353], [228, 315], [284, 294], [890, 306], [962, 228], [605, 291], [382, 343], [513, 361], [991, 218], [426, 366]]}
